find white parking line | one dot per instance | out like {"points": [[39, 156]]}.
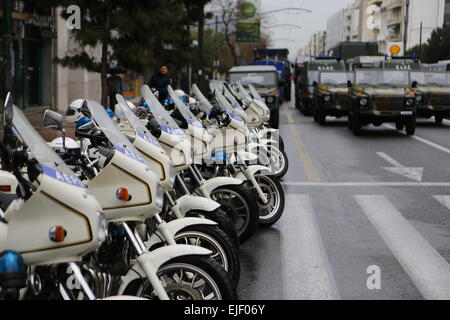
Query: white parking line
{"points": [[444, 200], [307, 272], [365, 184], [425, 141], [425, 266]]}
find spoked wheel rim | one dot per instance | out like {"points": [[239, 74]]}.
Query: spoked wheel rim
{"points": [[235, 207], [273, 196], [183, 282], [279, 160], [203, 240]]}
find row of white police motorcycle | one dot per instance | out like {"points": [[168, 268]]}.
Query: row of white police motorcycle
{"points": [[149, 202]]}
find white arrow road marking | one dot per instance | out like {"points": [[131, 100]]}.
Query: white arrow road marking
{"points": [[306, 270], [410, 173], [444, 200], [429, 271]]}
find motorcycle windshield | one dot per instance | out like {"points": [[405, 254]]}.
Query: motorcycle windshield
{"points": [[138, 126], [231, 98], [204, 104], [184, 110], [226, 106], [51, 163], [255, 93], [113, 133], [165, 121], [244, 94]]}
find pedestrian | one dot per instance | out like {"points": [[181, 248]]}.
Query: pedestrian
{"points": [[160, 81], [115, 85]]}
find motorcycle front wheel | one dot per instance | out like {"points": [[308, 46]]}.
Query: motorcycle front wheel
{"points": [[224, 250], [282, 165], [189, 277], [240, 204], [271, 211]]}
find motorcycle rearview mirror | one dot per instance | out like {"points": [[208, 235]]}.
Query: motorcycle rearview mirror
{"points": [[53, 120], [8, 112]]}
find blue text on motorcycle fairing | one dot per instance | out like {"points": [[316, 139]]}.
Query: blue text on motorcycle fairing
{"points": [[174, 131], [236, 106], [63, 177], [232, 115], [148, 139], [194, 123], [131, 154]]}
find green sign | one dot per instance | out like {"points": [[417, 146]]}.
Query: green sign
{"points": [[247, 32], [248, 10]]}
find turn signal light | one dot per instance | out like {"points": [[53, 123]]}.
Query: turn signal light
{"points": [[5, 188], [122, 194], [57, 234]]}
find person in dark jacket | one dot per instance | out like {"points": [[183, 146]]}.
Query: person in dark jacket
{"points": [[160, 81]]}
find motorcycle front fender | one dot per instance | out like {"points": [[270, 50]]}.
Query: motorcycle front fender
{"points": [[174, 226], [153, 261], [253, 170], [188, 202], [211, 184]]}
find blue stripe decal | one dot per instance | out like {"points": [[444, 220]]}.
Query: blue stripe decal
{"points": [[174, 131], [194, 123], [130, 154], [149, 139], [63, 177]]}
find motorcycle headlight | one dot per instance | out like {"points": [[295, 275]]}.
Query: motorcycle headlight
{"points": [[419, 98], [409, 102], [159, 201], [172, 174], [102, 226], [327, 98], [270, 99], [363, 101]]}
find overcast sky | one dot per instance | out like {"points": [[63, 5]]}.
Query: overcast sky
{"points": [[309, 22]]}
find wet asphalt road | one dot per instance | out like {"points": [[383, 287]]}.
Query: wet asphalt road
{"points": [[366, 217]]}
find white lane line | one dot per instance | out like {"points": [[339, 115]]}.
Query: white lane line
{"points": [[307, 272], [410, 173], [423, 140], [444, 200], [365, 184], [425, 266]]}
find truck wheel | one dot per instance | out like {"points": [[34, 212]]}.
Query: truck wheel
{"points": [[411, 126], [356, 125], [438, 119], [399, 125], [321, 117]]}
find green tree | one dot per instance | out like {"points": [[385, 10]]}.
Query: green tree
{"points": [[136, 34], [437, 47]]}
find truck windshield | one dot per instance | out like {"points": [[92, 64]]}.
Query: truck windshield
{"points": [[335, 78], [261, 79], [392, 78]]}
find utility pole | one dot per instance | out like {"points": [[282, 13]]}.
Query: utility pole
{"points": [[7, 36], [201, 27], [420, 40], [406, 23], [216, 43]]}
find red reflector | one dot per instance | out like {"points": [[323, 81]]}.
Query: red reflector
{"points": [[5, 188], [57, 234], [122, 194]]}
